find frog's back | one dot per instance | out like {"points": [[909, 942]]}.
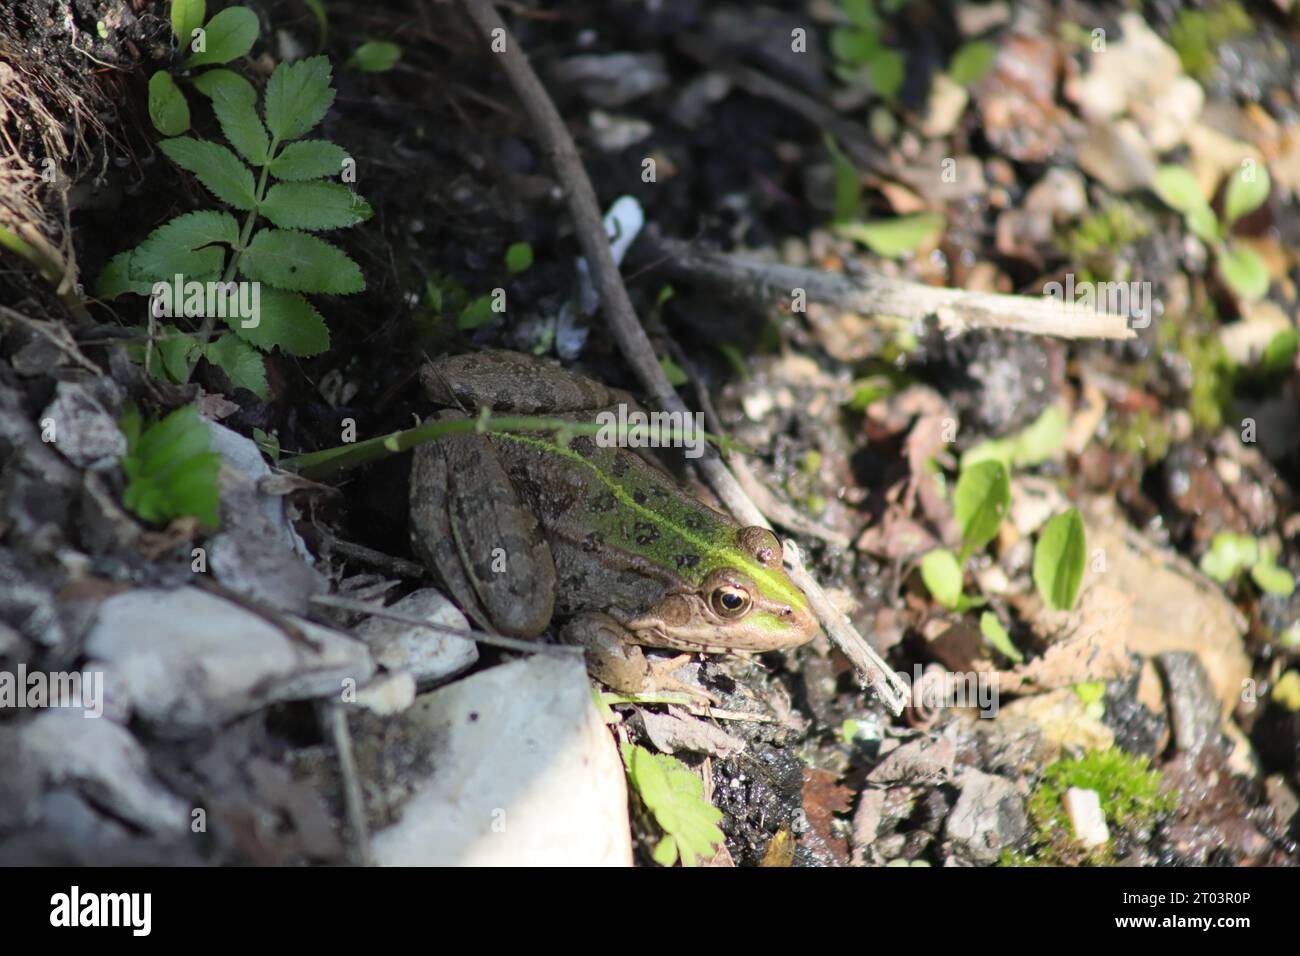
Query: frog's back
{"points": [[607, 503]]}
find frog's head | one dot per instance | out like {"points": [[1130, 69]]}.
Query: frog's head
{"points": [[748, 603]]}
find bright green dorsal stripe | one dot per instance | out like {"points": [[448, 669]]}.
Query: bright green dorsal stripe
{"points": [[772, 582]]}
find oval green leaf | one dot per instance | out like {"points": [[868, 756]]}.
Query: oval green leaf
{"points": [[227, 36], [980, 502], [894, 238], [1059, 560], [942, 576], [168, 110], [1244, 271], [1248, 188]]}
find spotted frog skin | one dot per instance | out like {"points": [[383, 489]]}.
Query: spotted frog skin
{"points": [[521, 528]]}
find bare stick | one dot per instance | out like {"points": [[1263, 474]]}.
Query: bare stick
{"points": [[956, 309], [336, 722], [635, 345]]}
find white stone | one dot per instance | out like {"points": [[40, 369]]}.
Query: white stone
{"points": [[429, 655], [186, 660], [1083, 807], [525, 774]]}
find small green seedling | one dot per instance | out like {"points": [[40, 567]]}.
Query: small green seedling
{"points": [[1230, 554], [897, 237], [375, 57], [1248, 188], [1059, 558], [170, 473], [675, 798], [980, 503], [860, 47], [288, 186], [998, 637]]}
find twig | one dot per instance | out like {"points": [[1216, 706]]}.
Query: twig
{"points": [[635, 345], [956, 309], [482, 637], [336, 720]]}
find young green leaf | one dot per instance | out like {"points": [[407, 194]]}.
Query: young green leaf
{"points": [[980, 502], [168, 110], [887, 70], [1059, 560], [943, 578], [1272, 579], [675, 797], [308, 159], [1248, 188], [1244, 270], [1229, 554], [313, 206], [971, 63], [216, 167], [519, 257], [894, 238], [862, 13], [242, 364], [1037, 443], [169, 470], [317, 9], [288, 321], [178, 352], [297, 97], [376, 56], [300, 263], [227, 36], [848, 183], [1178, 189], [221, 80], [187, 16], [1200, 220], [477, 313], [997, 635], [853, 46]]}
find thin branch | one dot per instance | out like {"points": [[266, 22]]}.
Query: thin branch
{"points": [[957, 309], [634, 343]]}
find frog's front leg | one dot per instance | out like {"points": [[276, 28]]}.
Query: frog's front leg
{"points": [[615, 659]]}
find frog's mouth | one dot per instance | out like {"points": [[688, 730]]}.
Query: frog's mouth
{"points": [[687, 621]]}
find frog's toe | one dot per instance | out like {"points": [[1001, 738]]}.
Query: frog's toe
{"points": [[659, 678]]}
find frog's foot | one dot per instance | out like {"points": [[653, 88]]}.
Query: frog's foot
{"points": [[616, 661]]}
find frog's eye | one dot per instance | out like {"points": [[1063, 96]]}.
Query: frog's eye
{"points": [[729, 600], [761, 545]]}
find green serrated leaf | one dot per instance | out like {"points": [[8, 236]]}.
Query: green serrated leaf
{"points": [[313, 206], [308, 159], [169, 468], [674, 796], [971, 63], [894, 238], [115, 278], [168, 110], [1178, 189], [184, 246], [297, 97], [1248, 188], [234, 102], [178, 352], [300, 263], [228, 35], [286, 321], [216, 167], [1059, 560], [187, 16], [997, 636], [377, 56], [519, 257], [242, 364], [942, 575], [980, 502], [1244, 271]]}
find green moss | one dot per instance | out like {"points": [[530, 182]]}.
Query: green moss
{"points": [[1130, 798], [1143, 434], [1094, 243], [1197, 34]]}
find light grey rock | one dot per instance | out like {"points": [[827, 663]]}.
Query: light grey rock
{"points": [[83, 430], [613, 79], [104, 762], [989, 815], [525, 774], [428, 655], [1190, 697], [185, 661]]}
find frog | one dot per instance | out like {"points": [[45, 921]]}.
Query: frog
{"points": [[525, 528]]}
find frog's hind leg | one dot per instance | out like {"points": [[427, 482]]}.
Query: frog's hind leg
{"points": [[492, 557]]}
